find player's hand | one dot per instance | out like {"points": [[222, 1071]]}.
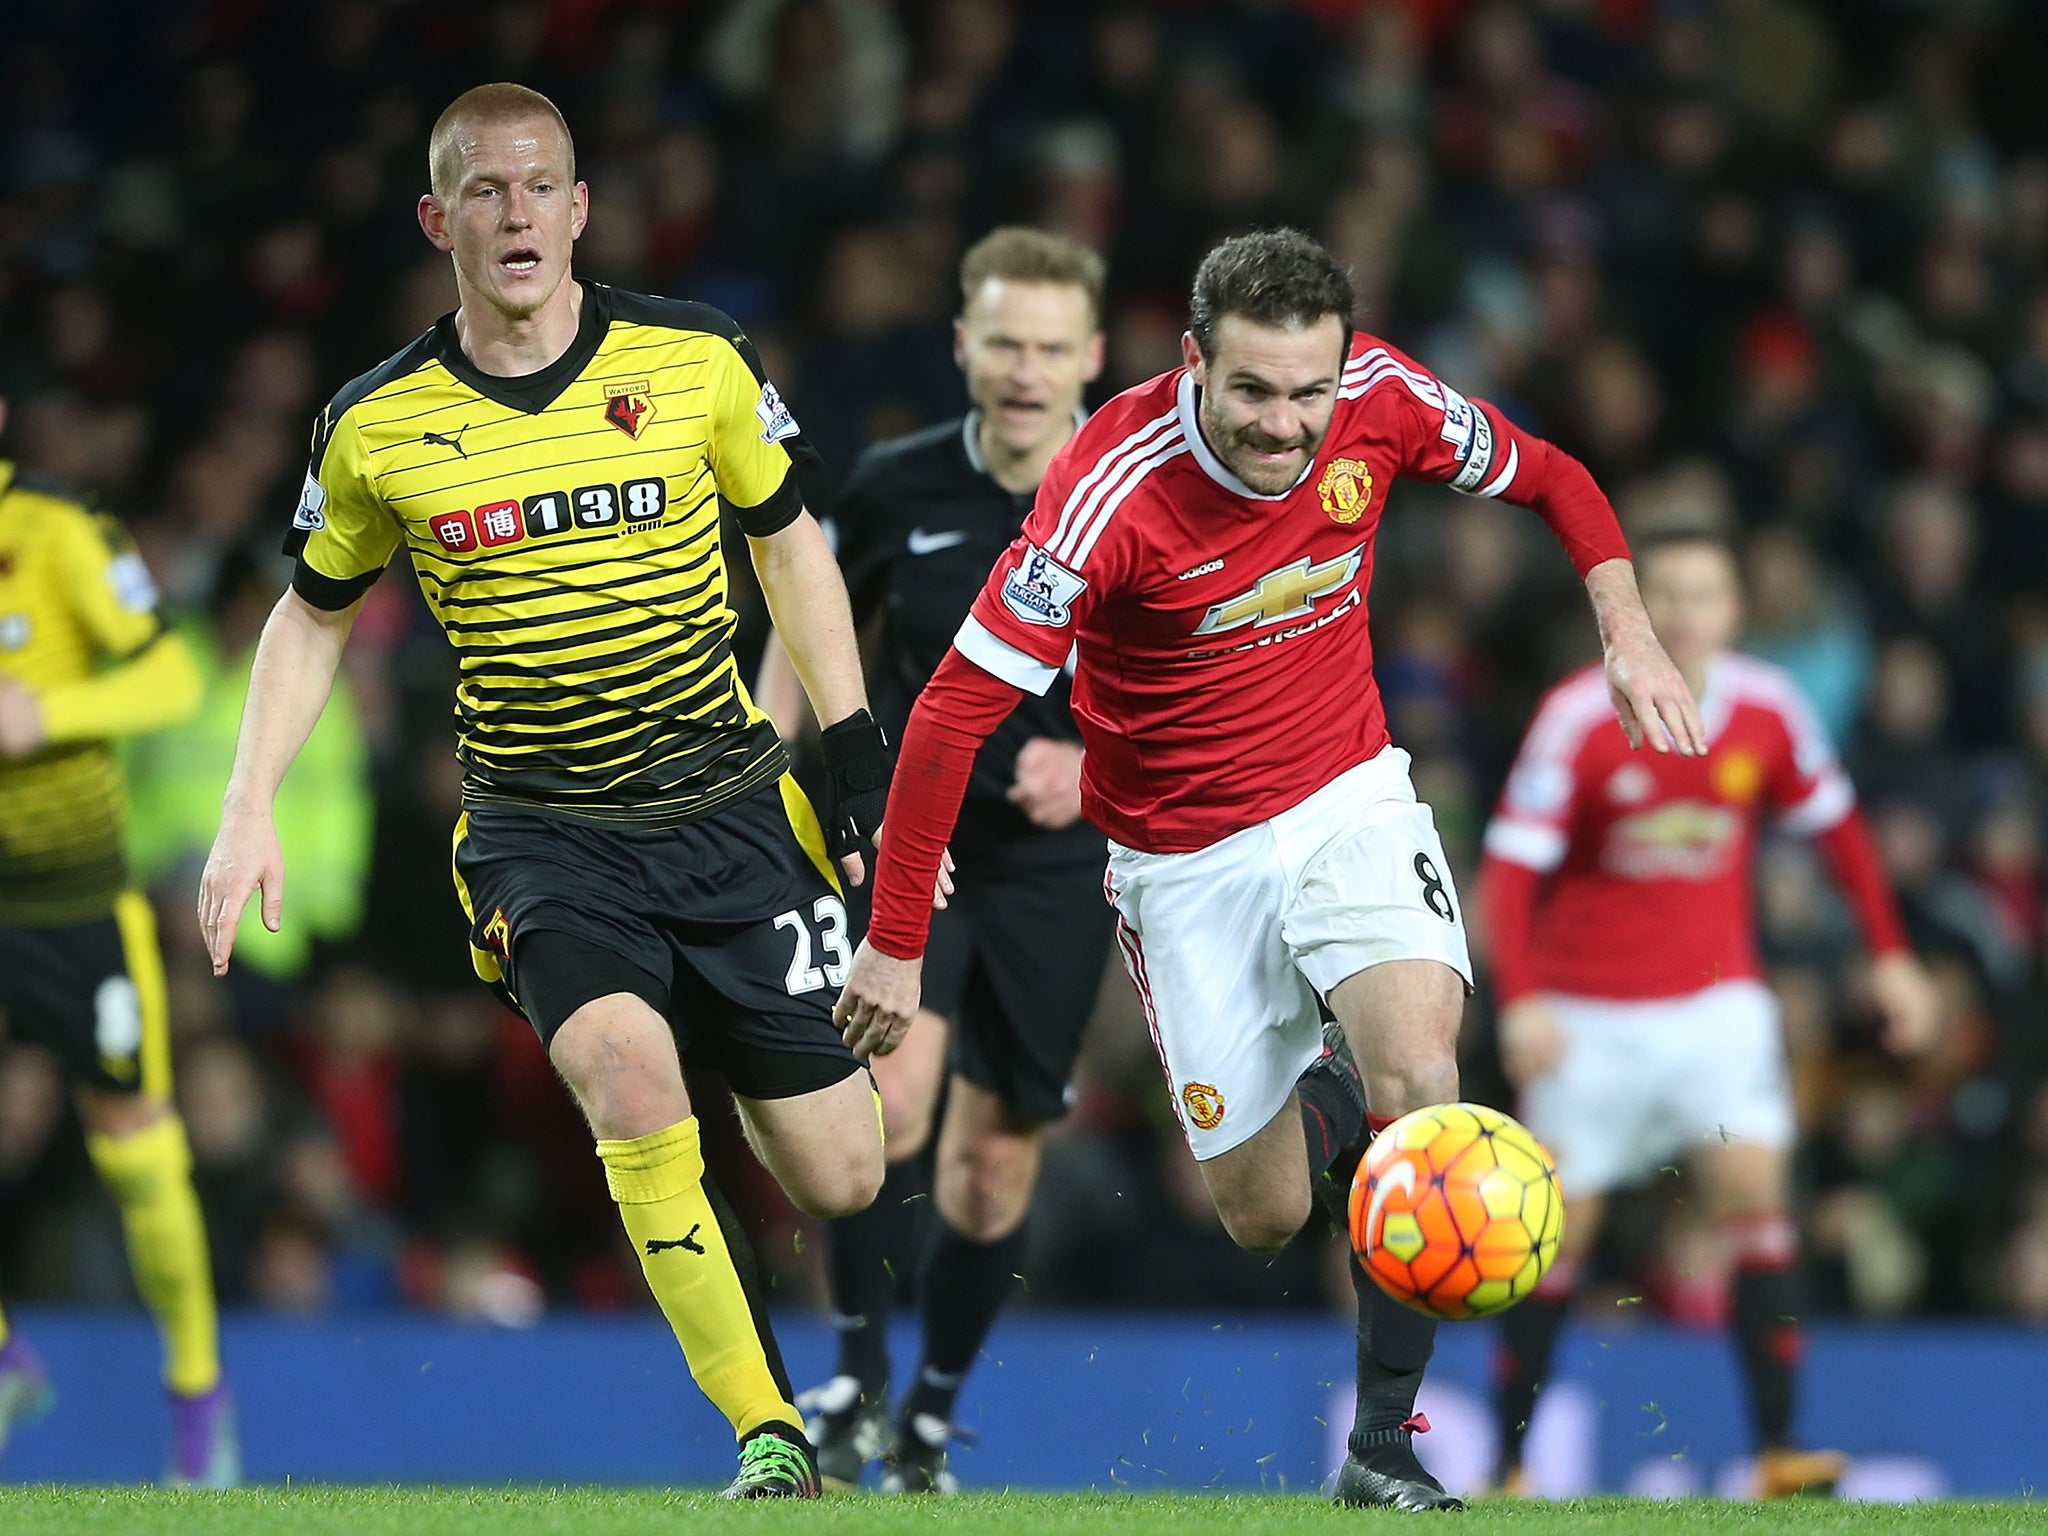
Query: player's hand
{"points": [[878, 1001], [1048, 787], [857, 769], [1531, 1044], [245, 858], [1651, 697], [1908, 1003], [21, 720]]}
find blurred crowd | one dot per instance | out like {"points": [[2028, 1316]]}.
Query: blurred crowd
{"points": [[1776, 265]]}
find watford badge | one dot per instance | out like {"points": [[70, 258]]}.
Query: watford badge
{"points": [[629, 407], [1346, 489], [497, 935], [1739, 776]]}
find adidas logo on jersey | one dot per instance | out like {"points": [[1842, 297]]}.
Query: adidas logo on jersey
{"points": [[1200, 570]]}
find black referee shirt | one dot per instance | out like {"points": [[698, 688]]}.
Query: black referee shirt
{"points": [[919, 527]]}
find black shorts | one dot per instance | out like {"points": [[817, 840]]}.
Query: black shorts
{"points": [[93, 993], [1016, 958], [730, 926]]}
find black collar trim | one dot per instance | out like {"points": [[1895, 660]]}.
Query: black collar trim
{"points": [[531, 392]]}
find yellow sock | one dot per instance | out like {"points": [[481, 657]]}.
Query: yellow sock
{"points": [[150, 1175], [658, 1181], [5, 1332]]}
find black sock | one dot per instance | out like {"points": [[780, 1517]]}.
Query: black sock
{"points": [[1767, 1330], [1333, 1123], [965, 1285], [1394, 1344], [1528, 1339], [859, 1260]]}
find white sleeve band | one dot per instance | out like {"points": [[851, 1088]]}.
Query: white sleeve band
{"points": [[997, 657], [1832, 799], [1528, 843]]}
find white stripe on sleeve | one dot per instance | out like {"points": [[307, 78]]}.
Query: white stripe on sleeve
{"points": [[997, 657], [1530, 844]]}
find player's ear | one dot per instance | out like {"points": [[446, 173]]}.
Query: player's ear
{"points": [[434, 222], [1091, 355], [960, 340], [579, 210], [1191, 355]]}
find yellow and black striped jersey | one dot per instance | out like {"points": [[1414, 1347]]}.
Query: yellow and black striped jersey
{"points": [[74, 596], [564, 526]]}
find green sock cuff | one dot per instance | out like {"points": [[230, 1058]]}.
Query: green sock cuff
{"points": [[657, 1166]]}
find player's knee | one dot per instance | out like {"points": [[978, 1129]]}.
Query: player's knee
{"points": [[1429, 1075], [120, 1114], [626, 1084], [844, 1187], [906, 1123], [1263, 1225], [984, 1185]]}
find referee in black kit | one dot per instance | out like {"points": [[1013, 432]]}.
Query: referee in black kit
{"points": [[1011, 976]]}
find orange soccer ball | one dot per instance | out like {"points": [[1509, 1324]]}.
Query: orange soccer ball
{"points": [[1456, 1210]]}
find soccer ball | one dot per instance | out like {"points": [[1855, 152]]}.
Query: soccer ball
{"points": [[1456, 1211]]}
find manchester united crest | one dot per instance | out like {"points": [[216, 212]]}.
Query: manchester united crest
{"points": [[1346, 489], [1204, 1104], [629, 407], [1739, 776]]}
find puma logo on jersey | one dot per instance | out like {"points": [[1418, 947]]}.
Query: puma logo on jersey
{"points": [[1200, 570], [442, 440], [687, 1240]]}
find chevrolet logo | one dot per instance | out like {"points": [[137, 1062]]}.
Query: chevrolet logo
{"points": [[1288, 593]]}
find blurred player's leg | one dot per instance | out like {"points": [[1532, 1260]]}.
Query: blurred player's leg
{"points": [[1746, 1186], [988, 1160], [137, 1144], [619, 1058], [847, 1417], [1528, 1337], [1401, 1018]]}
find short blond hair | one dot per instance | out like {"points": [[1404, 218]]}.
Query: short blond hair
{"points": [[486, 106], [1017, 254]]}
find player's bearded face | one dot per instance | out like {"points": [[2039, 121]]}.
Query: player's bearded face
{"points": [[1028, 350], [1267, 396], [514, 215]]}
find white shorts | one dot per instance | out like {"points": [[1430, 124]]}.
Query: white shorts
{"points": [[1642, 1083], [1229, 946]]}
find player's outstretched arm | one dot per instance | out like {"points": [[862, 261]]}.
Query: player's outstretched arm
{"points": [[1650, 696], [288, 687]]}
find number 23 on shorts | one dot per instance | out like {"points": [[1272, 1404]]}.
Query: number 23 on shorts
{"points": [[828, 913]]}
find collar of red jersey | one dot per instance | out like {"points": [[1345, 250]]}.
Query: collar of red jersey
{"points": [[1213, 467]]}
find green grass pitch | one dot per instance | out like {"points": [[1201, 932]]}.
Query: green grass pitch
{"points": [[334, 1511]]}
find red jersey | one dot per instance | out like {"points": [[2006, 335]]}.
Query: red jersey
{"points": [[1223, 664], [1615, 873]]}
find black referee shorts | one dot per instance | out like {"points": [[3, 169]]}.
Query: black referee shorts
{"points": [[93, 993], [730, 926], [1015, 960]]}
